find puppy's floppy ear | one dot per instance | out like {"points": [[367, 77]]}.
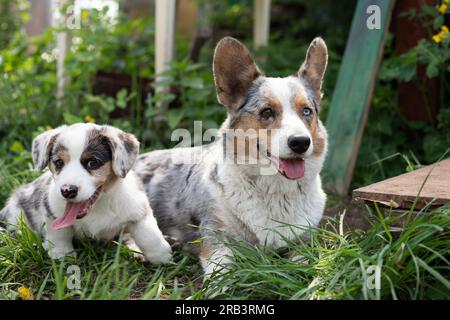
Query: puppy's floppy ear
{"points": [[313, 68], [125, 149], [42, 146], [234, 72]]}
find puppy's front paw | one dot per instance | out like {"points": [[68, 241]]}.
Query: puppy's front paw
{"points": [[59, 253], [137, 253], [162, 256]]}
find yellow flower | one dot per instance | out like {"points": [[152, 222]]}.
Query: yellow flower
{"points": [[8, 67], [443, 8], [437, 38], [444, 29], [48, 127], [85, 13], [88, 118], [25, 293]]}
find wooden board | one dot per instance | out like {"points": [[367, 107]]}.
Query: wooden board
{"points": [[261, 23], [164, 34], [353, 93], [402, 191]]}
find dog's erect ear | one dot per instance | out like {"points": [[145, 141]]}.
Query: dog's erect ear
{"points": [[42, 146], [125, 149], [234, 72], [313, 68]]}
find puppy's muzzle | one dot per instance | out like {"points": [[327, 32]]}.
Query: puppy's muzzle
{"points": [[299, 144], [69, 191]]}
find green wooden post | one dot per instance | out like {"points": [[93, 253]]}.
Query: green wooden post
{"points": [[353, 92]]}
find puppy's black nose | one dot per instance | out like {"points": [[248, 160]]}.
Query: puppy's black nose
{"points": [[299, 144], [69, 191]]}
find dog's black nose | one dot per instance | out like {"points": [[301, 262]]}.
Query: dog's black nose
{"points": [[299, 144], [69, 191]]}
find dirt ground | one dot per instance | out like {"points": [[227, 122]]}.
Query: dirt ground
{"points": [[356, 214]]}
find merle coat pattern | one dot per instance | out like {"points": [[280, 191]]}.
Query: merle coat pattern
{"points": [[231, 200], [89, 191]]}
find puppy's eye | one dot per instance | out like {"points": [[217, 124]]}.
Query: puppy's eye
{"points": [[58, 163], [267, 114], [93, 164], [307, 112]]}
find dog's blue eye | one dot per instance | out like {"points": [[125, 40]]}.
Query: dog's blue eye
{"points": [[307, 112]]}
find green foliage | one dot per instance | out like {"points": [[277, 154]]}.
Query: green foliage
{"points": [[387, 132], [9, 23], [125, 46], [235, 16], [195, 100]]}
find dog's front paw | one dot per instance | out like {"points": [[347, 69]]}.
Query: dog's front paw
{"points": [[59, 253], [163, 256], [137, 253]]}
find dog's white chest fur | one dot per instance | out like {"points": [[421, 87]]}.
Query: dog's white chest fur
{"points": [[273, 208], [104, 222], [112, 211]]}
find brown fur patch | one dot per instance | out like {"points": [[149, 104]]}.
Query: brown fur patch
{"points": [[98, 148], [218, 222], [58, 151], [314, 66], [254, 127], [205, 250], [62, 153], [104, 176], [318, 139], [300, 102], [234, 71], [312, 123], [129, 142]]}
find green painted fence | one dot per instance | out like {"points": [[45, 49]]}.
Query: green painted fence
{"points": [[353, 92]]}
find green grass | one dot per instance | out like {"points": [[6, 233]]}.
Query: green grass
{"points": [[336, 262], [108, 271], [413, 263]]}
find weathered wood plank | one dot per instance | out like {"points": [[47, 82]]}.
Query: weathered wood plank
{"points": [[261, 22], [63, 39], [353, 93], [164, 33], [40, 17], [402, 191]]}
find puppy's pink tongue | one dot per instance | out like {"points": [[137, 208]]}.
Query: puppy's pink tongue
{"points": [[70, 215], [293, 168]]}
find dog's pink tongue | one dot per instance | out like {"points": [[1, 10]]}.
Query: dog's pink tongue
{"points": [[70, 215], [293, 168]]}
